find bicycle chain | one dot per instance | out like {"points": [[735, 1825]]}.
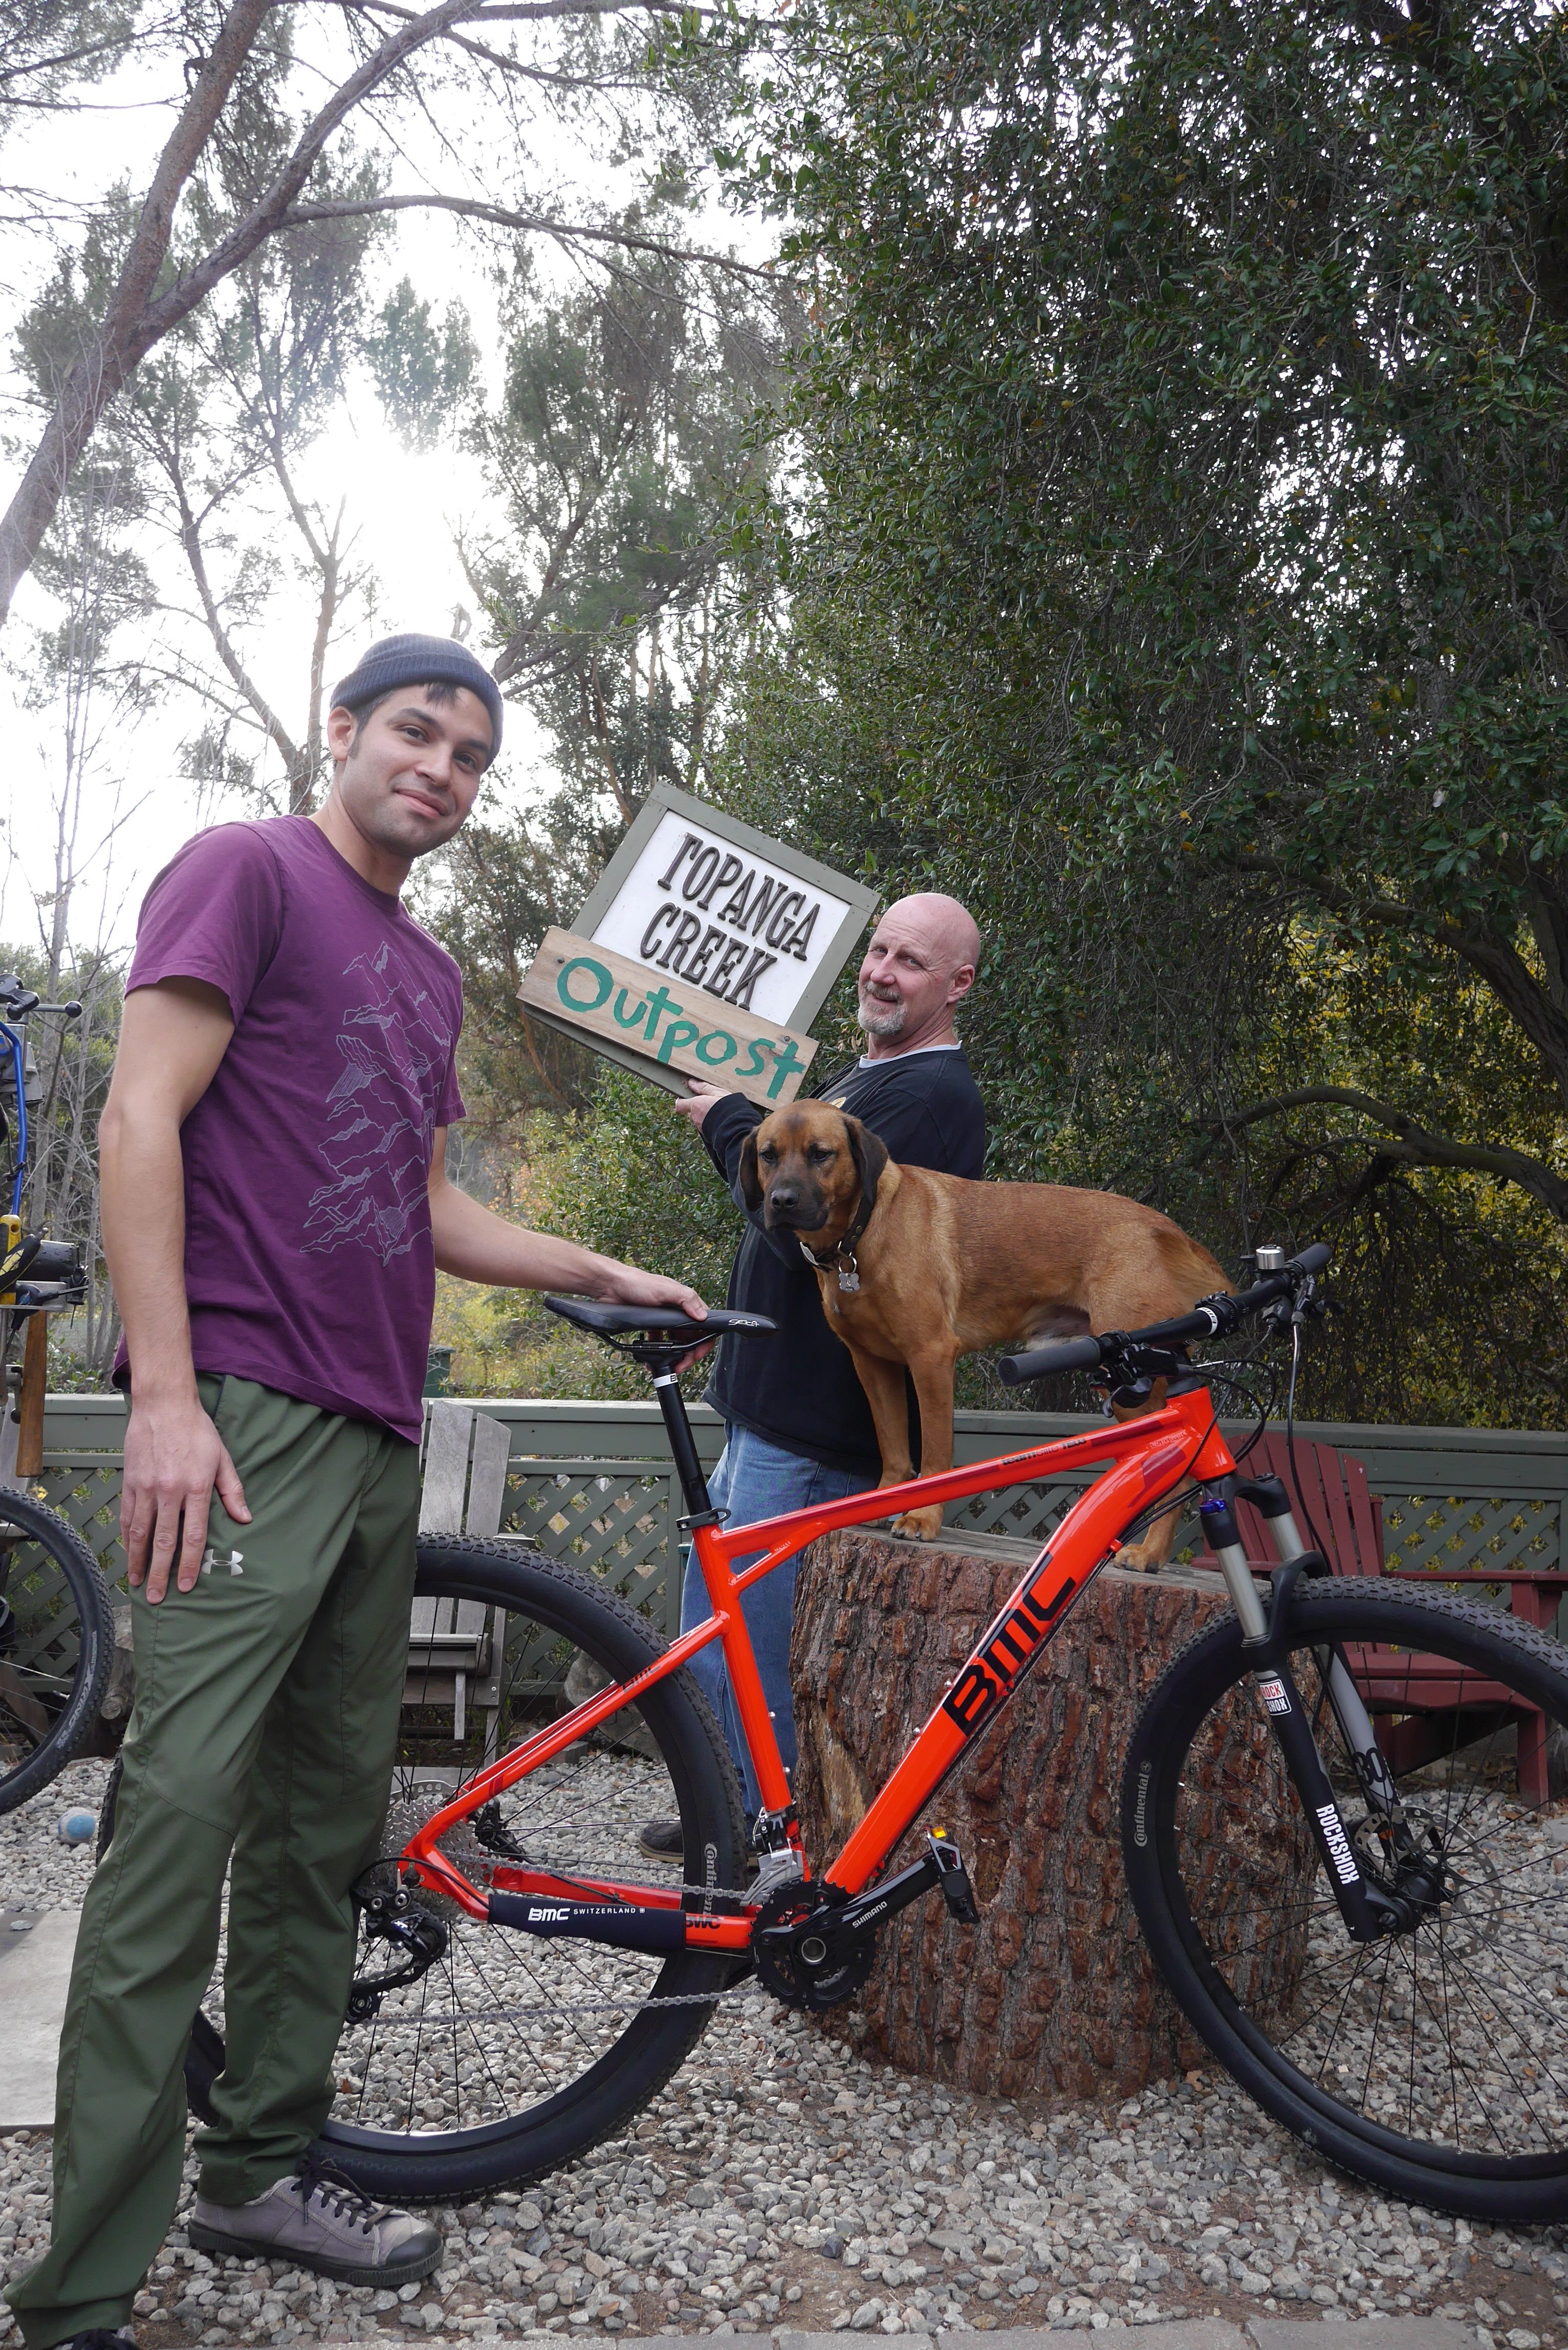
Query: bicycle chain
{"points": [[750, 1989]]}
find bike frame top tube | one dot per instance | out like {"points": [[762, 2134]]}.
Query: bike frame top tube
{"points": [[1149, 1455]]}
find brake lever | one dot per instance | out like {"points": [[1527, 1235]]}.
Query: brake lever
{"points": [[1128, 1378]]}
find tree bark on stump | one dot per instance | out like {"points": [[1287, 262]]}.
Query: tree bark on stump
{"points": [[1052, 1994]]}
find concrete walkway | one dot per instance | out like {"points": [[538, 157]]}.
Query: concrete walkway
{"points": [[35, 1973], [1179, 2334]]}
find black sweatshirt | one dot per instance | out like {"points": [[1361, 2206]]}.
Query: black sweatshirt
{"points": [[799, 1388]]}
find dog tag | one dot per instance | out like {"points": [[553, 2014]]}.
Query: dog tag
{"points": [[848, 1274]]}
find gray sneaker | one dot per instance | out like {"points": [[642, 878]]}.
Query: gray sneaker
{"points": [[324, 2223]]}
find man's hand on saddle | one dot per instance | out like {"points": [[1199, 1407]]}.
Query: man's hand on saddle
{"points": [[174, 1462], [627, 1284], [635, 1287]]}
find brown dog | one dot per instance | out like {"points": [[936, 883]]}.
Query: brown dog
{"points": [[916, 1269]]}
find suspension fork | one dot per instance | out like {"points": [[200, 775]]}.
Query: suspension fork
{"points": [[1365, 1908], [1268, 1496]]}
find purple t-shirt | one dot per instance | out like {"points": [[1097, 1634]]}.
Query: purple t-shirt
{"points": [[308, 1261]]}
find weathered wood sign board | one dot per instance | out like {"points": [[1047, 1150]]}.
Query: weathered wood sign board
{"points": [[602, 994], [700, 910]]}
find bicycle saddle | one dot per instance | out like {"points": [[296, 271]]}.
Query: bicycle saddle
{"points": [[617, 1321]]}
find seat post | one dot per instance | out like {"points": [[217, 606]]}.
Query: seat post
{"points": [[683, 1444]]}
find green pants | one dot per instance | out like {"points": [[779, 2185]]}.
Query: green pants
{"points": [[265, 1726]]}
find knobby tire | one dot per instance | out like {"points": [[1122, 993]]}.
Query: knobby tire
{"points": [[672, 1748], [57, 1645], [1433, 2063]]}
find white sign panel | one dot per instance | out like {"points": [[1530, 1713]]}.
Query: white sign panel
{"points": [[721, 917]]}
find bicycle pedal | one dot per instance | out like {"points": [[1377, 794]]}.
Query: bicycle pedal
{"points": [[952, 1879], [959, 1898]]}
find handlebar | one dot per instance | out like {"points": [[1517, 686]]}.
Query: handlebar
{"points": [[1214, 1317], [19, 1002]]}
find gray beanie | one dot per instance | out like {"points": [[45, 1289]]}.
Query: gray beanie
{"points": [[419, 660]]}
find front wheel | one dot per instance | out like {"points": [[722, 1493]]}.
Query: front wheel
{"points": [[510, 2054], [1434, 2060]]}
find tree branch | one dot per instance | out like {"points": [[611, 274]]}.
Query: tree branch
{"points": [[498, 58], [1505, 970], [136, 318], [501, 216], [1412, 1144], [99, 372], [87, 49], [223, 643]]}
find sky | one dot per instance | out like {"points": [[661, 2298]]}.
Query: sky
{"points": [[141, 807], [405, 505]]}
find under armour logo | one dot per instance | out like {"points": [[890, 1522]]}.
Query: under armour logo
{"points": [[214, 1559]]}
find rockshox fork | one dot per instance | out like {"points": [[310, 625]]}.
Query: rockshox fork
{"points": [[1265, 1635]]}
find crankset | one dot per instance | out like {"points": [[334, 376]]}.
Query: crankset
{"points": [[813, 1946], [800, 1954]]}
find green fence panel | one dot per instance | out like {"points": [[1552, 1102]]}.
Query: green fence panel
{"points": [[594, 1483]]}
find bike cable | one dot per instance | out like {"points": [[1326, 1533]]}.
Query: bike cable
{"points": [[1316, 1541]]}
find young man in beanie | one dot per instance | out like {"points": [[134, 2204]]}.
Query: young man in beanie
{"points": [[274, 1209]]}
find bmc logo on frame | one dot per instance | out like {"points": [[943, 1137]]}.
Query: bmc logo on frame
{"points": [[1011, 1644]]}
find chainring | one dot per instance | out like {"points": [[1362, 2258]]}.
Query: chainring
{"points": [[791, 1969]]}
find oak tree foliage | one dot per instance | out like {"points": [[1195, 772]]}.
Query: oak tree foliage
{"points": [[1185, 581]]}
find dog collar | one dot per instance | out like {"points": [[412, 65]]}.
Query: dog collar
{"points": [[841, 1256]]}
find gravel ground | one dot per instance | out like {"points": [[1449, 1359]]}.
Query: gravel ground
{"points": [[782, 2182]]}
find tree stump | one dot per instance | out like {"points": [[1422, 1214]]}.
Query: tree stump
{"points": [[1052, 1994]]}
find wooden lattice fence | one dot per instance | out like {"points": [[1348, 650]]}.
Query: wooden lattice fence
{"points": [[594, 1483], [608, 1518]]}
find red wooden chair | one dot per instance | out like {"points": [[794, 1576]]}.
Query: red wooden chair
{"points": [[1415, 1698]]}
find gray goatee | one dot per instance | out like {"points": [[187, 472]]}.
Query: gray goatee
{"points": [[879, 1019]]}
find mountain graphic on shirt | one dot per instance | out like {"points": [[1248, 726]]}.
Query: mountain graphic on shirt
{"points": [[395, 1045]]}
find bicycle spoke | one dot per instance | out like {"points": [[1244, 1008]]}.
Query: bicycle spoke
{"points": [[1446, 2030], [1548, 2015], [1481, 2099], [502, 2023], [1371, 2038]]}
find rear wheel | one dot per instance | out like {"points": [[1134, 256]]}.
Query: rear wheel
{"points": [[1434, 2060], [509, 2055], [57, 1645]]}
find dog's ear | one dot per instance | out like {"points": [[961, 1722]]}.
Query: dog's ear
{"points": [[750, 1187], [869, 1153]]}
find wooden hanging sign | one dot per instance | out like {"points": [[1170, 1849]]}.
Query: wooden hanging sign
{"points": [[705, 951], [605, 997]]}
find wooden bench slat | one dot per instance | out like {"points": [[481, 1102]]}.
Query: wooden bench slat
{"points": [[487, 1478], [446, 1467], [463, 1491]]}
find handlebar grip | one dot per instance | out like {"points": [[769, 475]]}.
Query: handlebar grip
{"points": [[1313, 1259], [1069, 1355]]}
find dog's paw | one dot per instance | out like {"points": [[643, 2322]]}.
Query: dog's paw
{"points": [[919, 1525], [1139, 1558]]}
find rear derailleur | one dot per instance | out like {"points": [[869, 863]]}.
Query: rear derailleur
{"points": [[813, 1946], [417, 1937]]}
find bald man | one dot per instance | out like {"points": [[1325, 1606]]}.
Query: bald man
{"points": [[799, 1429]]}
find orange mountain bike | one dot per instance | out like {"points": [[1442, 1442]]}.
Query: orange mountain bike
{"points": [[1333, 1866]]}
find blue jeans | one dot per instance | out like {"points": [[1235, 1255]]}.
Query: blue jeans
{"points": [[757, 1479]]}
